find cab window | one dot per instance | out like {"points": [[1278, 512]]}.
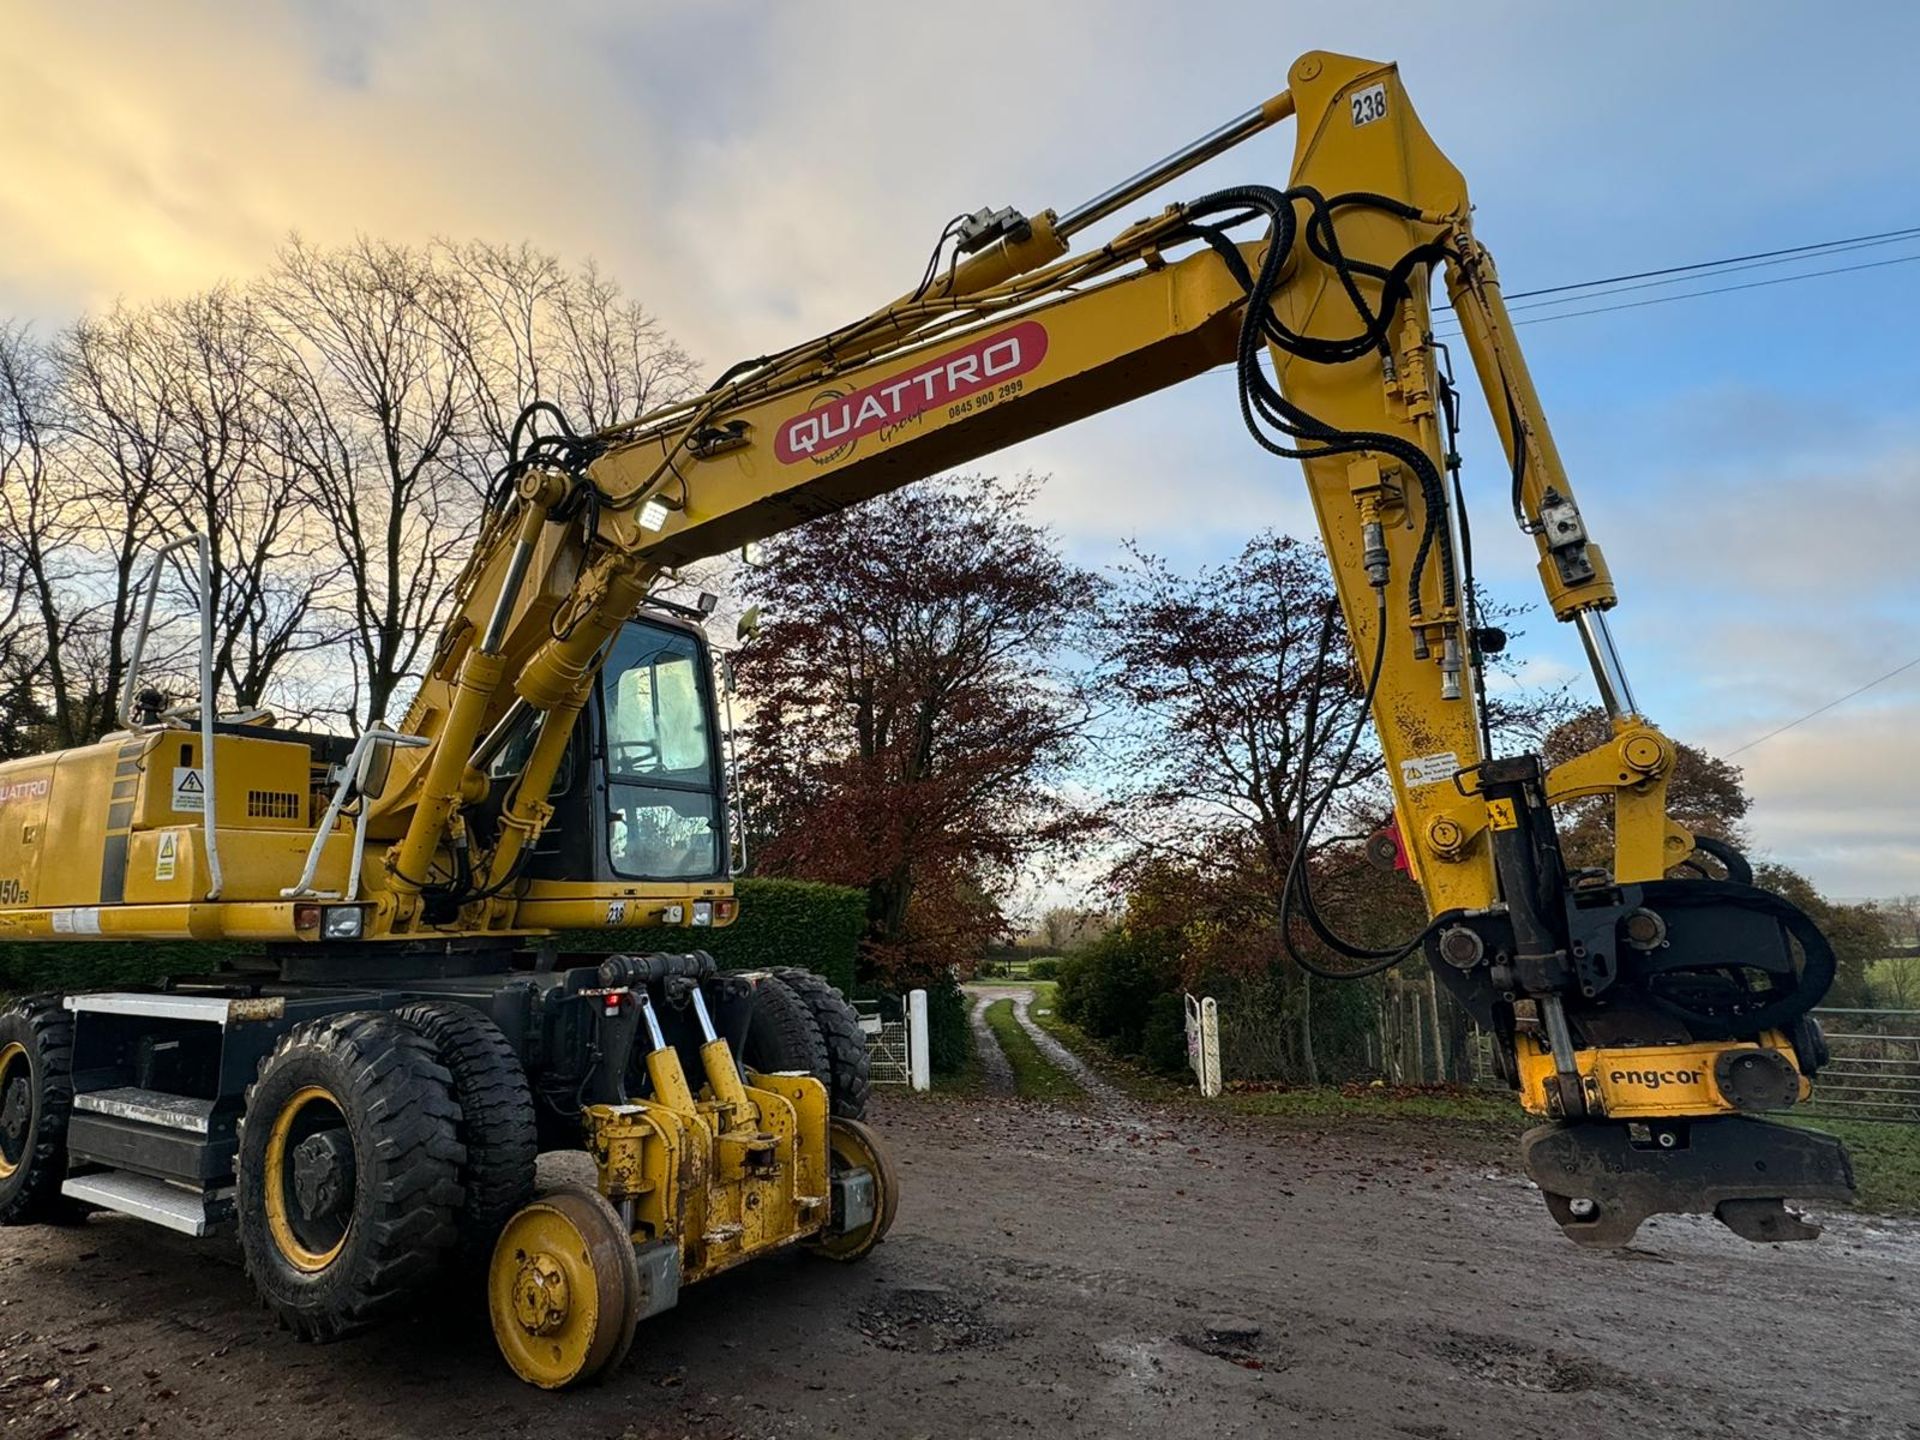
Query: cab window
{"points": [[662, 787]]}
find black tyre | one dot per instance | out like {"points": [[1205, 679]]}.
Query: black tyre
{"points": [[36, 1096], [782, 1035], [349, 1172], [850, 1071], [496, 1121]]}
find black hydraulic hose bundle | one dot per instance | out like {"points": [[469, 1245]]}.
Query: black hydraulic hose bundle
{"points": [[1306, 437], [1262, 406]]}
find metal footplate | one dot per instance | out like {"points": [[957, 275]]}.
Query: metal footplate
{"points": [[166, 1203], [1601, 1180]]}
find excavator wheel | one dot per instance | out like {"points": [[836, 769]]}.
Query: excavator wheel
{"points": [[563, 1291], [348, 1173], [849, 1077], [782, 1034], [853, 1146], [36, 1095], [497, 1124]]}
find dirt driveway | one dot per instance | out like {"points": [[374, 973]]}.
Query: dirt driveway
{"points": [[1058, 1273]]}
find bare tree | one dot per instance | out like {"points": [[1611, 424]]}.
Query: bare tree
{"points": [[117, 405], [332, 430], [28, 538], [543, 332], [233, 480], [373, 399]]}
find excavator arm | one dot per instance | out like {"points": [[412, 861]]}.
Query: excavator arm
{"points": [[1647, 1022]]}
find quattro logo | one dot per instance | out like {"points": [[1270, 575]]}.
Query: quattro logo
{"points": [[827, 431], [1654, 1079]]}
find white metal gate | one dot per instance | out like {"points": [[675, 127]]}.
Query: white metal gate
{"points": [[886, 1045]]}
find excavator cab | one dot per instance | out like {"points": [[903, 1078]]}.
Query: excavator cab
{"points": [[641, 796]]}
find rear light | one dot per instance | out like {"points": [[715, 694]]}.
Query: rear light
{"points": [[306, 917], [724, 911]]}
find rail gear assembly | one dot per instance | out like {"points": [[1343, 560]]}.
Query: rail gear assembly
{"points": [[365, 1094]]}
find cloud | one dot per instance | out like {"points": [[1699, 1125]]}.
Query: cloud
{"points": [[1841, 800]]}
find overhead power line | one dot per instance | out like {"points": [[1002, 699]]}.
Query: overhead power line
{"points": [[1730, 268], [1697, 294], [1861, 690], [1781, 256], [1696, 270]]}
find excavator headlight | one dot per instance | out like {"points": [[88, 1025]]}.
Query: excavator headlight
{"points": [[703, 912], [341, 922], [653, 515]]}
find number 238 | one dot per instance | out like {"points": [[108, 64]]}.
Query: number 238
{"points": [[1369, 105]]}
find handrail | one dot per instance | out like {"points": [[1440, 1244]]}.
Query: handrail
{"points": [[209, 698], [349, 779]]}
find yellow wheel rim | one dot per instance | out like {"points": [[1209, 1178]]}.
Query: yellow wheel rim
{"points": [[563, 1289], [307, 1243], [16, 1109], [852, 1146]]}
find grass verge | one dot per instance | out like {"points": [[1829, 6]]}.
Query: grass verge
{"points": [[1133, 1079], [1034, 1076], [1886, 1161]]}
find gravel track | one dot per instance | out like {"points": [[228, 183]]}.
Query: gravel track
{"points": [[1139, 1271]]}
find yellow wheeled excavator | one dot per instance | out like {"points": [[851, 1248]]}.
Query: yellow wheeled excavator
{"points": [[363, 1095]]}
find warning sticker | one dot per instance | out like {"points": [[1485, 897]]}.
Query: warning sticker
{"points": [[84, 920], [1429, 769], [167, 856], [189, 789]]}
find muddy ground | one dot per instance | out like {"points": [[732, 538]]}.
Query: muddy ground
{"points": [[1059, 1272]]}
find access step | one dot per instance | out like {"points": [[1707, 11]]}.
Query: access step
{"points": [[159, 1202], [149, 1107]]}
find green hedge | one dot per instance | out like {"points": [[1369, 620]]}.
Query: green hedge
{"points": [[782, 922], [62, 965]]}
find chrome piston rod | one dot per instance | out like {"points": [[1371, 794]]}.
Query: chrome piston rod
{"points": [[1608, 670], [1213, 143]]}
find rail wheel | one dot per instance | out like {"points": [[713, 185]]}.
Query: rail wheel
{"points": [[348, 1173], [849, 1077], [36, 1095], [563, 1291], [853, 1146]]}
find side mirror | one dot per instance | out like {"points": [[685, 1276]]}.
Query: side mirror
{"points": [[376, 765], [749, 624]]}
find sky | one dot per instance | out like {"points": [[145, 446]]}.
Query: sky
{"points": [[759, 172]]}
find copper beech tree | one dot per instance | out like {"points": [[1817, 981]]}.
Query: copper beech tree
{"points": [[912, 716]]}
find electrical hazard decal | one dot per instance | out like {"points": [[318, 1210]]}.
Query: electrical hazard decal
{"points": [[963, 381], [616, 912], [166, 856], [189, 790]]}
